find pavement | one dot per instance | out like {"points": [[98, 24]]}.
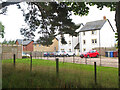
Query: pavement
{"points": [[101, 61]]}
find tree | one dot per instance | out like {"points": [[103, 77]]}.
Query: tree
{"points": [[51, 16], [8, 42], [1, 30], [4, 42]]}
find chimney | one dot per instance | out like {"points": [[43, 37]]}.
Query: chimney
{"points": [[104, 18]]}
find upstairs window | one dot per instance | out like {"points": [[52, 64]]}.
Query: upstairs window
{"points": [[84, 42], [84, 49], [94, 41]]}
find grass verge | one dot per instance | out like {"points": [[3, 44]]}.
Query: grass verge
{"points": [[43, 75]]}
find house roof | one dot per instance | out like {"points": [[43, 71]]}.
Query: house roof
{"points": [[94, 25], [35, 42], [24, 42], [77, 46]]}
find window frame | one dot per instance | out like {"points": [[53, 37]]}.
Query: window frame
{"points": [[84, 42], [94, 41]]}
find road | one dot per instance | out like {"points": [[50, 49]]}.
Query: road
{"points": [[105, 61]]}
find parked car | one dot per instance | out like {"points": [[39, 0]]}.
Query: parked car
{"points": [[70, 53], [46, 54], [25, 55], [61, 53], [91, 53], [52, 54]]}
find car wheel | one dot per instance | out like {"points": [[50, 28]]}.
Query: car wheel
{"points": [[88, 56], [73, 54], [67, 55], [97, 56]]}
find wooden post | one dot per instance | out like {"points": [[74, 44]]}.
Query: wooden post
{"points": [[95, 72], [35, 55], [14, 60], [63, 58], [73, 59], [30, 62], [57, 66], [41, 55], [47, 55]]}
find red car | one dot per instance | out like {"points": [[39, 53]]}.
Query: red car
{"points": [[91, 53]]}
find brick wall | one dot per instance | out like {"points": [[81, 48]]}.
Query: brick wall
{"points": [[28, 47], [104, 49], [9, 50]]}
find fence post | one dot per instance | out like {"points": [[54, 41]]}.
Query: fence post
{"points": [[35, 55], [95, 73], [30, 62], [63, 58], [47, 55], [73, 59], [14, 60], [41, 55], [86, 60], [57, 66]]}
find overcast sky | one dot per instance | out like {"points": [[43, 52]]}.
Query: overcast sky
{"points": [[14, 20]]}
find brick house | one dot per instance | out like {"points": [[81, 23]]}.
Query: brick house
{"points": [[27, 44]]}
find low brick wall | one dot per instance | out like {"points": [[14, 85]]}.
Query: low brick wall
{"points": [[104, 49]]}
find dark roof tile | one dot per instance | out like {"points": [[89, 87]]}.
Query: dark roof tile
{"points": [[94, 25]]}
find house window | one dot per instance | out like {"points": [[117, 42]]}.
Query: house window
{"points": [[94, 40], [62, 49], [83, 33], [39, 45], [94, 32], [70, 42], [84, 49], [84, 41]]}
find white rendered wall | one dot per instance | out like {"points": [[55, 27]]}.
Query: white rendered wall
{"points": [[66, 47], [107, 38], [88, 38]]}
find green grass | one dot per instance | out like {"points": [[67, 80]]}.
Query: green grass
{"points": [[43, 75]]}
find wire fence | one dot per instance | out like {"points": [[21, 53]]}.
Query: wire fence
{"points": [[103, 61]]}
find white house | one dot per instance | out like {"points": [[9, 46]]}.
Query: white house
{"points": [[96, 34], [71, 43]]}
